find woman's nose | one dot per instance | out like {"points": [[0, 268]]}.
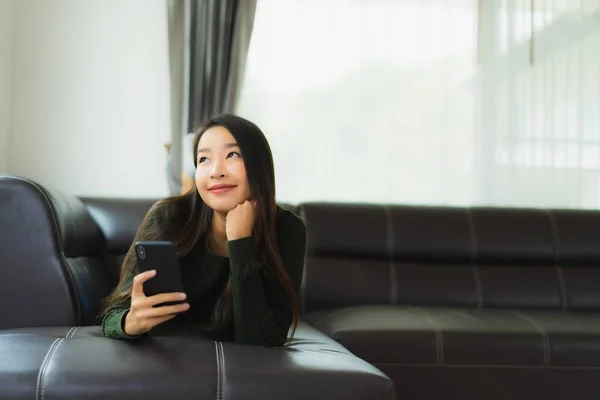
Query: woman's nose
{"points": [[217, 171]]}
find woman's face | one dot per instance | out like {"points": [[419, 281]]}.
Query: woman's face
{"points": [[221, 173]]}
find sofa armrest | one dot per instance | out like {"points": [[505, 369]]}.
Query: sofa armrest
{"points": [[79, 363], [51, 271]]}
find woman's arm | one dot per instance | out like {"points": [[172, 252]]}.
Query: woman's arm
{"points": [[113, 321], [262, 306], [153, 227]]}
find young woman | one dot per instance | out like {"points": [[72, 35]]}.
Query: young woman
{"points": [[241, 255]]}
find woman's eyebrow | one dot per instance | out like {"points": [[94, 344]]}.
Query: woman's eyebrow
{"points": [[227, 146]]}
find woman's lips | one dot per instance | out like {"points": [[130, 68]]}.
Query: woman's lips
{"points": [[220, 189]]}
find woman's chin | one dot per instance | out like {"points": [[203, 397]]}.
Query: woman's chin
{"points": [[222, 206]]}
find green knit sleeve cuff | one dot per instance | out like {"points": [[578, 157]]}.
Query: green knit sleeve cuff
{"points": [[242, 256], [113, 325]]}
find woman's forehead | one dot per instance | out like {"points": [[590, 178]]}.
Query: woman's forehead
{"points": [[215, 138]]}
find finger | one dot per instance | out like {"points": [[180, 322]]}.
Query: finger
{"points": [[138, 282], [165, 297], [154, 312]]}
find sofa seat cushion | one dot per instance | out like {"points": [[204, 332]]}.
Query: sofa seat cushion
{"points": [[454, 336], [79, 363]]}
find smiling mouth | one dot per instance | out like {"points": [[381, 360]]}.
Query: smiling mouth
{"points": [[221, 189]]}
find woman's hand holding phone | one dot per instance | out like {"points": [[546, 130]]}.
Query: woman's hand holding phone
{"points": [[142, 315]]}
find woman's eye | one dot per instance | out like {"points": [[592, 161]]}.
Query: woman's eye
{"points": [[233, 153], [201, 160]]}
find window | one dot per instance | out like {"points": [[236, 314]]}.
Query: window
{"points": [[427, 102]]}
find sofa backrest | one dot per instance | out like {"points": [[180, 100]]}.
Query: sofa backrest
{"points": [[60, 255], [51, 269], [118, 220], [449, 256]]}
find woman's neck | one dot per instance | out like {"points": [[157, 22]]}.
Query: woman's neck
{"points": [[217, 236]]}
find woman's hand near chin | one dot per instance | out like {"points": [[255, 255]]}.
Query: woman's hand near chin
{"points": [[240, 220]]}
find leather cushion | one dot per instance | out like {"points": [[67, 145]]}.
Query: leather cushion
{"points": [[79, 363], [461, 336]]}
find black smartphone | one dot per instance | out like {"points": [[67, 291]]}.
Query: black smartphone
{"points": [[162, 257]]}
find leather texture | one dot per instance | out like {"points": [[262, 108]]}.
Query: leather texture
{"points": [[36, 284], [79, 363], [459, 257], [483, 303], [52, 269], [454, 336], [117, 219]]}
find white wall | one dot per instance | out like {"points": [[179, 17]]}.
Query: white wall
{"points": [[91, 96], [6, 29]]}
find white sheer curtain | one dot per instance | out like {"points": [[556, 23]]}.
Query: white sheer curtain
{"points": [[451, 102]]}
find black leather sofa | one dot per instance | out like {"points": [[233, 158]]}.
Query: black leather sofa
{"points": [[469, 303], [58, 258], [464, 303]]}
